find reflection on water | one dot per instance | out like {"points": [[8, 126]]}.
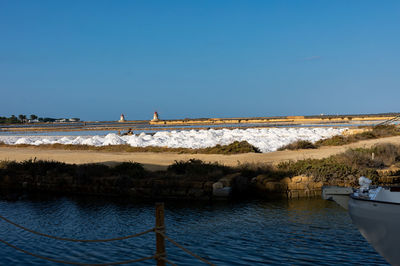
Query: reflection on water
{"points": [[256, 232]]}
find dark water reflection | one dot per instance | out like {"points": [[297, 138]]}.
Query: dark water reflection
{"points": [[299, 232]]}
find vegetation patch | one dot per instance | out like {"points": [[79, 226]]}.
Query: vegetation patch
{"points": [[233, 148], [348, 165], [199, 170], [300, 144], [380, 131], [193, 177]]}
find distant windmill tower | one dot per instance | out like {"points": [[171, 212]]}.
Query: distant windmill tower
{"points": [[122, 118], [155, 117]]}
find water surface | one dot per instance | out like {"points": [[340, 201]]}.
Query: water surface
{"points": [[296, 232]]}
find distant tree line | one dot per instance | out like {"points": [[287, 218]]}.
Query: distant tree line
{"points": [[32, 118]]}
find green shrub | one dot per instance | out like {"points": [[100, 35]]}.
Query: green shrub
{"points": [[300, 144], [337, 140], [251, 170], [388, 153], [233, 148], [86, 174], [325, 169], [36, 167], [379, 131], [199, 169], [131, 169], [359, 159]]}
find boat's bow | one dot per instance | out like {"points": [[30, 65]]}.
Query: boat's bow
{"points": [[376, 213]]}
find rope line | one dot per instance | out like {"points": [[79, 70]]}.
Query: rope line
{"points": [[76, 240], [185, 249], [168, 261], [75, 263]]}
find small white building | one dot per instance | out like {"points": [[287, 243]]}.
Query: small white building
{"points": [[155, 117], [122, 118]]}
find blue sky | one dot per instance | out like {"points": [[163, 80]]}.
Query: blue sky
{"points": [[98, 59]]}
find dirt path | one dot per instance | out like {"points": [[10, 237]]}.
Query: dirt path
{"points": [[159, 161]]}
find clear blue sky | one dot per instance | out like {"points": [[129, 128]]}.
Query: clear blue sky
{"points": [[98, 59]]}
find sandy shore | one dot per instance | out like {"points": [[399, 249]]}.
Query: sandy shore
{"points": [[159, 161]]}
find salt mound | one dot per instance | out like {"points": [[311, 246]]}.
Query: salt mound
{"points": [[23, 141], [113, 139], [265, 139]]}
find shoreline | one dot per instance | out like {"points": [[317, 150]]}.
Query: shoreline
{"points": [[195, 176], [201, 123]]}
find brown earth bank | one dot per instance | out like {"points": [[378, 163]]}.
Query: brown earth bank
{"points": [[280, 119], [199, 176], [160, 161]]}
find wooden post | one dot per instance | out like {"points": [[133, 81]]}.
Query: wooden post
{"points": [[160, 241]]}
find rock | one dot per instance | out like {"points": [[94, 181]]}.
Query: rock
{"points": [[221, 191], [301, 186], [286, 180], [319, 185], [297, 179], [275, 187], [195, 193], [224, 192], [392, 170], [208, 186], [197, 185], [263, 178], [217, 185], [227, 180]]}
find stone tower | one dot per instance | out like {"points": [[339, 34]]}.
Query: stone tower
{"points": [[155, 117]]}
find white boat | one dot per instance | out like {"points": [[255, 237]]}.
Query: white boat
{"points": [[340, 195], [376, 213]]}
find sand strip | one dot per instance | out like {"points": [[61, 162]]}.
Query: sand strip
{"points": [[159, 161]]}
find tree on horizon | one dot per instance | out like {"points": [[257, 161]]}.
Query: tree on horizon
{"points": [[22, 118]]}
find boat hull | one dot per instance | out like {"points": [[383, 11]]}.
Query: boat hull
{"points": [[340, 195], [379, 223]]}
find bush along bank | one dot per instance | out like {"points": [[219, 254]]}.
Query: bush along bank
{"points": [[380, 131], [192, 179], [198, 180], [235, 147]]}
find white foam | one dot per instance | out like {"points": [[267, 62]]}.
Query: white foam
{"points": [[266, 139]]}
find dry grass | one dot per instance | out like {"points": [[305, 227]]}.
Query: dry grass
{"points": [[339, 140], [376, 132], [352, 163], [300, 144], [98, 178]]}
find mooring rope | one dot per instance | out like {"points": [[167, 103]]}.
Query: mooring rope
{"points": [[184, 249], [75, 263], [76, 240], [169, 262]]}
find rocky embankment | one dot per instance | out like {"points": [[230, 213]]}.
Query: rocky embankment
{"points": [[165, 185], [195, 179]]}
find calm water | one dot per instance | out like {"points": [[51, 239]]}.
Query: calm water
{"points": [[75, 129], [150, 129], [299, 232]]}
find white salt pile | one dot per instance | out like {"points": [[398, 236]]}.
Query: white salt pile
{"points": [[266, 139]]}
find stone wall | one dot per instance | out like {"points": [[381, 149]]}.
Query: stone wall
{"points": [[295, 187]]}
